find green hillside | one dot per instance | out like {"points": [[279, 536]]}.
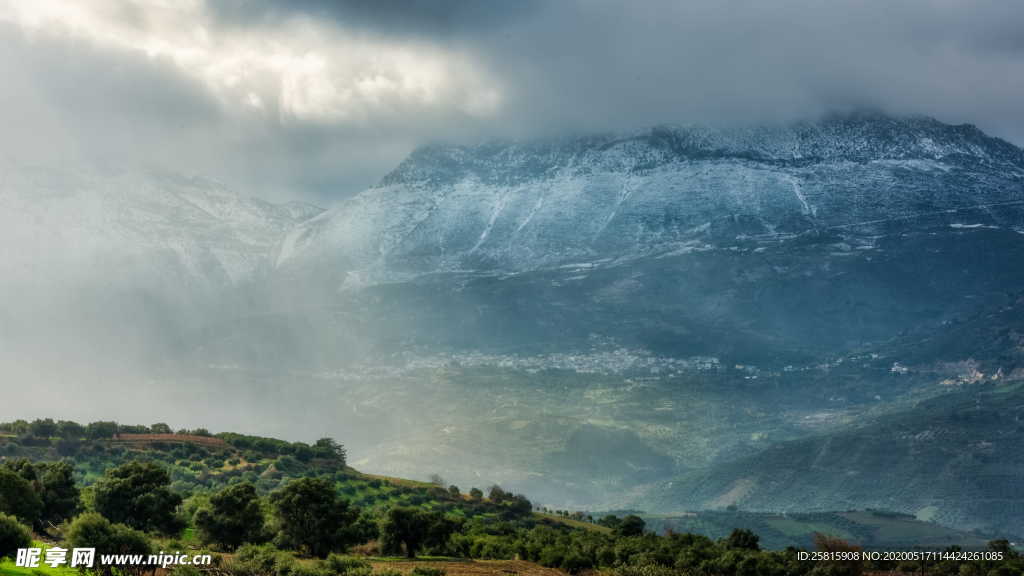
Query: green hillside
{"points": [[200, 464]]}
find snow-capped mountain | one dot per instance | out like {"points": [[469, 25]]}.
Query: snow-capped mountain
{"points": [[516, 207], [785, 261]]}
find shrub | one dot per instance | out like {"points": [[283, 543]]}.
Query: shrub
{"points": [[741, 539], [551, 557], [17, 497], [261, 560], [346, 565], [298, 569], [413, 529], [90, 530], [574, 562], [13, 535]]}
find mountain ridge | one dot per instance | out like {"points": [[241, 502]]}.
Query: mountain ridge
{"points": [[515, 207], [857, 137]]}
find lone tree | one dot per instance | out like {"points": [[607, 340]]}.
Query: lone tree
{"points": [[138, 495], [314, 518], [410, 529], [18, 497], [329, 448], [13, 535], [234, 517]]}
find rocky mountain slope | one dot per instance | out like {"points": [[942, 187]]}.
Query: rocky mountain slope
{"points": [[522, 207], [773, 243], [952, 458]]}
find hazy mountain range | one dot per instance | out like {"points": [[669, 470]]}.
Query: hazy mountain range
{"points": [[811, 317]]}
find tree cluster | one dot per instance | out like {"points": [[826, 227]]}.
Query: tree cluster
{"points": [[38, 494]]}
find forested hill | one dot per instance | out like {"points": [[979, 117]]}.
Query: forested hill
{"points": [[199, 464], [277, 508], [198, 461]]}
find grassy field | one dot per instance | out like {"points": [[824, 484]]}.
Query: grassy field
{"points": [[7, 567]]}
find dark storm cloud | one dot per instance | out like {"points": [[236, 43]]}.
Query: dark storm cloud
{"points": [[583, 65], [59, 96], [365, 81], [67, 102], [597, 65]]}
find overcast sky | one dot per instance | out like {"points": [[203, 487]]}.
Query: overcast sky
{"points": [[316, 100]]}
